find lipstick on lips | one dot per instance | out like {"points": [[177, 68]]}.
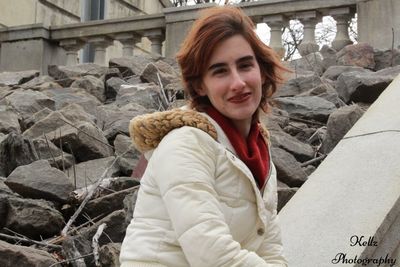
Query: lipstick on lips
{"points": [[239, 98]]}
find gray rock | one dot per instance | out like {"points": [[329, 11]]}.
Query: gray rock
{"points": [[329, 56], [92, 85], [40, 180], [28, 102], [112, 87], [288, 168], [284, 195], [365, 86], [326, 91], [334, 72], [34, 218], [129, 66], [18, 77], [283, 140], [129, 155], [66, 75], [84, 141], [166, 74], [114, 121], [5, 190], [40, 83], [109, 255], [105, 205], [15, 151], [50, 123], [307, 107], [41, 114], [386, 58], [89, 172], [54, 155], [298, 85], [114, 232], [9, 121], [147, 95], [66, 96], [14, 255], [339, 123], [311, 62], [360, 54], [75, 247]]}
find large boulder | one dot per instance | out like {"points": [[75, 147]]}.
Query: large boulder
{"points": [[334, 72], [14, 255], [298, 85], [339, 123], [306, 107], [386, 58], [40, 180], [311, 62], [66, 96], [160, 72], [288, 168], [365, 86], [92, 85], [17, 77], [129, 66], [84, 141], [15, 150], [34, 218], [361, 54], [9, 120], [66, 75], [54, 155], [28, 102], [89, 172], [128, 155]]}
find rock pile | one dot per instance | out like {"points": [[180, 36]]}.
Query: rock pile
{"points": [[66, 157]]}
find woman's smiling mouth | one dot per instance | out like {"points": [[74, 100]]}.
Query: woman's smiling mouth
{"points": [[239, 98]]}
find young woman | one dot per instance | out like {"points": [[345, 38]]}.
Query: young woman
{"points": [[208, 196]]}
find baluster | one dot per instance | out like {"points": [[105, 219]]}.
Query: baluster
{"points": [[100, 44], [342, 17], [276, 23], [156, 38], [128, 41], [309, 20], [72, 46]]}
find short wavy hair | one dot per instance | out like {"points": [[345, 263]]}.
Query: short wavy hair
{"points": [[215, 25]]}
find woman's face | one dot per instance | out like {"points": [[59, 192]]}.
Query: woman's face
{"points": [[233, 81]]}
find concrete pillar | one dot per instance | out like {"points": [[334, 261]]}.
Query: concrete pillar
{"points": [[276, 23], [309, 19], [128, 41], [179, 20], [342, 17], [72, 46], [379, 23], [156, 38], [352, 197], [100, 44]]}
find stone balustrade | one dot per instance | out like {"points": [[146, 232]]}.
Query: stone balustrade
{"points": [[168, 28]]}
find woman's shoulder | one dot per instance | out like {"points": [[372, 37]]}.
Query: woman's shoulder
{"points": [[147, 131]]}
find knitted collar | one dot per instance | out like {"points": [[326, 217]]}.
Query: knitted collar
{"points": [[253, 151]]}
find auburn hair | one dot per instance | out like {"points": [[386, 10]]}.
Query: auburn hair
{"points": [[215, 25]]}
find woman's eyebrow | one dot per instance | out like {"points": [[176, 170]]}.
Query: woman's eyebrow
{"points": [[221, 64]]}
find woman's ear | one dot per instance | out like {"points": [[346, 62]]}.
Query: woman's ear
{"points": [[201, 91]]}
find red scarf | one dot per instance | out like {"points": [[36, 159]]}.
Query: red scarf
{"points": [[253, 151]]}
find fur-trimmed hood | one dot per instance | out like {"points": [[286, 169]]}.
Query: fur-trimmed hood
{"points": [[148, 130]]}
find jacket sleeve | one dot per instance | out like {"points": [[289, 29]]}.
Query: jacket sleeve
{"points": [[271, 250], [184, 169]]}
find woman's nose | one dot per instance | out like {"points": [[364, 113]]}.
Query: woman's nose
{"points": [[237, 82]]}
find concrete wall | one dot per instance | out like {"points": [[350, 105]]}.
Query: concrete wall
{"points": [[376, 19], [17, 12], [355, 192], [49, 12], [40, 52]]}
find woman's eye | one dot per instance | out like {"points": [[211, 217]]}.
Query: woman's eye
{"points": [[219, 71], [246, 65]]}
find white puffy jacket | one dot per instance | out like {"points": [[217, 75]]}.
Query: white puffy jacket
{"points": [[198, 204]]}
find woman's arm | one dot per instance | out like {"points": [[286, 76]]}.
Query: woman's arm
{"points": [[184, 169]]}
